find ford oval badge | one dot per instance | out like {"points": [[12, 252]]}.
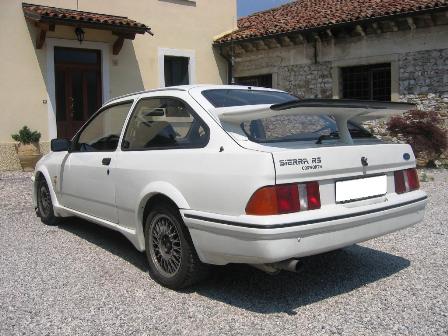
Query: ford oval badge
{"points": [[406, 156]]}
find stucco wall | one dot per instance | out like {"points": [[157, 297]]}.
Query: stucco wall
{"points": [[177, 24]]}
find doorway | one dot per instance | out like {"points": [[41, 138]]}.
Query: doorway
{"points": [[78, 88]]}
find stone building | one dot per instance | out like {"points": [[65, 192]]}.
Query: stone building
{"points": [[363, 49]]}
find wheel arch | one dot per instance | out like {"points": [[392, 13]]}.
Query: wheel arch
{"points": [[42, 173], [153, 193]]}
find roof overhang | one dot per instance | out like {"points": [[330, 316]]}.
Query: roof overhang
{"points": [[46, 18], [233, 44]]}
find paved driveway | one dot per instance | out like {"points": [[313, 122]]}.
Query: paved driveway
{"points": [[82, 279]]}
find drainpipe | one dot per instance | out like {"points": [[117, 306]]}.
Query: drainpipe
{"points": [[230, 79]]}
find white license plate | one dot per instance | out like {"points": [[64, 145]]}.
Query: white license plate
{"points": [[363, 188]]}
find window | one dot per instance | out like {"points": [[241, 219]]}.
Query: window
{"points": [[242, 97], [103, 132], [176, 70], [371, 82], [261, 81], [299, 127], [74, 55], [162, 123]]}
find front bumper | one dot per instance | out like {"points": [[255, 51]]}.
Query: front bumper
{"points": [[257, 240]]}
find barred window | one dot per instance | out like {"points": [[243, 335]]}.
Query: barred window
{"points": [[370, 82]]}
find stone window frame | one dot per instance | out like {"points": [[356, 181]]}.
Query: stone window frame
{"points": [[394, 72]]}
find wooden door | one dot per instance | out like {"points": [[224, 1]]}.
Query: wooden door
{"points": [[78, 88]]}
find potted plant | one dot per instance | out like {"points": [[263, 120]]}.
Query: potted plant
{"points": [[28, 149]]}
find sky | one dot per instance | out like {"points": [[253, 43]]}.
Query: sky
{"points": [[246, 7]]}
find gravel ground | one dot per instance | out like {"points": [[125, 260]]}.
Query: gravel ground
{"points": [[83, 279]]}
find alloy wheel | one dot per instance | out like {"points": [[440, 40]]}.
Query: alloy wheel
{"points": [[165, 245]]}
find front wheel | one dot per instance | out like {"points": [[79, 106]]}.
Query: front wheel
{"points": [[44, 204], [172, 259]]}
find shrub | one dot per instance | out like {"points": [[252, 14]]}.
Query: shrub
{"points": [[421, 130], [26, 136]]}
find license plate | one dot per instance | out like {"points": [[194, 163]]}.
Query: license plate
{"points": [[358, 189]]}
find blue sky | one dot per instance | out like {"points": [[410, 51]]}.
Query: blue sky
{"points": [[246, 7]]}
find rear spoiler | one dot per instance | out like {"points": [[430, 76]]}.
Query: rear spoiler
{"points": [[342, 110]]}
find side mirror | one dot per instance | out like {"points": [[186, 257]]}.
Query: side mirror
{"points": [[60, 145]]}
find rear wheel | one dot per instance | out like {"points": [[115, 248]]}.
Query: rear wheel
{"points": [[172, 259], [44, 203]]}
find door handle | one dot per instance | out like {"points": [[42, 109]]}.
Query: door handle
{"points": [[106, 161]]}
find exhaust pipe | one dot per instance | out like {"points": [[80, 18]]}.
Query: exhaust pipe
{"points": [[292, 265]]}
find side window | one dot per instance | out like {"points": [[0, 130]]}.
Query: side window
{"points": [[103, 132], [160, 123]]}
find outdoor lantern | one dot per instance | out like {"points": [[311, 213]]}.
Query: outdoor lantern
{"points": [[79, 34]]}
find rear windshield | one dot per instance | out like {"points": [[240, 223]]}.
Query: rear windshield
{"points": [[297, 128], [279, 128], [242, 97]]}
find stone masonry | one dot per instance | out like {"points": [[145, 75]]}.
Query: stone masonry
{"points": [[306, 81], [423, 80]]}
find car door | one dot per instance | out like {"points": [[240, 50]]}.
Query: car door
{"points": [[163, 134], [87, 183]]}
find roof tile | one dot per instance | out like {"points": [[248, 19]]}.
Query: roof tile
{"points": [[308, 14], [70, 14]]}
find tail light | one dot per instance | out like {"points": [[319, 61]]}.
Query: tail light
{"points": [[400, 186], [406, 180], [284, 198]]}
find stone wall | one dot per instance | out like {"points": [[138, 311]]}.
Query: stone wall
{"points": [[422, 74], [424, 80], [306, 80]]}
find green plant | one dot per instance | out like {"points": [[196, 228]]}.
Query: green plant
{"points": [[26, 136], [423, 177]]}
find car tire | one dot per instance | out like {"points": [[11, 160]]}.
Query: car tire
{"points": [[44, 204], [173, 261]]}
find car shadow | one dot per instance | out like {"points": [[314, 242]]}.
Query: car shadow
{"points": [[109, 240], [321, 277]]}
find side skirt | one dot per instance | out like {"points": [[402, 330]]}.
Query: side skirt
{"points": [[130, 234]]}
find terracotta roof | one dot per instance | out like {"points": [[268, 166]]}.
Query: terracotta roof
{"points": [[42, 13], [301, 15]]}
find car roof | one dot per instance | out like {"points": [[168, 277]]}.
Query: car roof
{"points": [[186, 88]]}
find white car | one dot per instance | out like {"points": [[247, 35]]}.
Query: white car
{"points": [[198, 175]]}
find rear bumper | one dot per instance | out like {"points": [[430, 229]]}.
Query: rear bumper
{"points": [[257, 240]]}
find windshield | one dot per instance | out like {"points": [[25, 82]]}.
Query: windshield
{"points": [[242, 97], [297, 128]]}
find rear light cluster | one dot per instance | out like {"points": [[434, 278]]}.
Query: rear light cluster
{"points": [[406, 180], [284, 198]]}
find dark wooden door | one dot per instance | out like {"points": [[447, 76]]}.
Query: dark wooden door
{"points": [[78, 88]]}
